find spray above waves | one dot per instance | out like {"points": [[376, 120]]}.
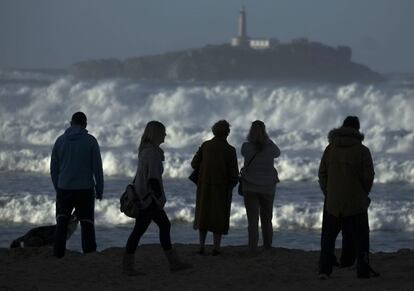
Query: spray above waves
{"points": [[298, 118], [40, 210]]}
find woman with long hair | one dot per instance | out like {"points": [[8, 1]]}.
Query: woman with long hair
{"points": [[259, 180], [216, 161], [149, 187]]}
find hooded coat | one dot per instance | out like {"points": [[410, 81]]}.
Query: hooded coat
{"points": [[218, 174], [346, 173], [76, 161]]}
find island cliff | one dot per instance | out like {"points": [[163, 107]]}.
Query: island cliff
{"points": [[296, 61], [245, 58]]}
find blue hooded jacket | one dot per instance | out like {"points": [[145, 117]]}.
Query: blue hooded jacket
{"points": [[76, 161]]}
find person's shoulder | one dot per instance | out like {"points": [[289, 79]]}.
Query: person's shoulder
{"points": [[230, 148], [90, 138], [59, 140], [246, 146], [206, 143], [364, 148]]}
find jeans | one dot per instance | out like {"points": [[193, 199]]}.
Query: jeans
{"points": [[151, 213], [258, 204], [83, 201]]}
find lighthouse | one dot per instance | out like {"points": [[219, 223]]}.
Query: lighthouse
{"points": [[242, 24], [241, 39]]}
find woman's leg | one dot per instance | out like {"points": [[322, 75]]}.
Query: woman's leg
{"points": [[266, 215], [128, 260], [217, 243], [164, 224], [202, 236], [141, 225], [251, 203], [161, 219]]}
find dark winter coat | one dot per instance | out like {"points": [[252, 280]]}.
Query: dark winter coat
{"points": [[346, 173], [218, 174]]}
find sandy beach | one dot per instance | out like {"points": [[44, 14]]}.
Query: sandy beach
{"points": [[234, 269]]}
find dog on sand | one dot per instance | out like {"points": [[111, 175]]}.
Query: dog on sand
{"points": [[43, 235]]}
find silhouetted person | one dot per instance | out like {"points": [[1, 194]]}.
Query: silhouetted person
{"points": [[216, 160], [77, 175], [259, 183], [346, 175], [150, 189]]}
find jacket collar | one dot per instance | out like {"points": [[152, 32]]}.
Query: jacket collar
{"points": [[345, 137]]}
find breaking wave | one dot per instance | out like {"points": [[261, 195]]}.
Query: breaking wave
{"points": [[40, 209], [298, 117]]}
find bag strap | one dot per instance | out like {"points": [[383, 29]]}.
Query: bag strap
{"points": [[250, 161]]}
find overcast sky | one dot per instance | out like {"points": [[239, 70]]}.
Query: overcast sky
{"points": [[56, 33]]}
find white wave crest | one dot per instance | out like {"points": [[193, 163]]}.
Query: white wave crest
{"points": [[40, 209], [298, 118]]}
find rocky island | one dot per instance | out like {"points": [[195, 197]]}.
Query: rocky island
{"points": [[245, 58]]}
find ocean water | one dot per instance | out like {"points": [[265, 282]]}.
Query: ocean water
{"points": [[35, 108]]}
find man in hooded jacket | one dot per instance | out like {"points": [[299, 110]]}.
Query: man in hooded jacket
{"points": [[346, 175], [77, 175]]}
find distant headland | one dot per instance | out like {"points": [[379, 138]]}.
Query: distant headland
{"points": [[244, 58]]}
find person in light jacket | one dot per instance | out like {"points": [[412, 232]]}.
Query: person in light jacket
{"points": [[259, 179], [149, 187]]}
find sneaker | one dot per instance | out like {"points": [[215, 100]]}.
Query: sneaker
{"points": [[323, 276]]}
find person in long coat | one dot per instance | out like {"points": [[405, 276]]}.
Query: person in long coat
{"points": [[216, 161], [346, 175]]}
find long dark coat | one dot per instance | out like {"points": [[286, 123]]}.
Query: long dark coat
{"points": [[218, 174]]}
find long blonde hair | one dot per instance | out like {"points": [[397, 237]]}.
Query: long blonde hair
{"points": [[153, 132], [258, 135]]}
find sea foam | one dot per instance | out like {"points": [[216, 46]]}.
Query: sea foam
{"points": [[40, 210], [298, 118]]}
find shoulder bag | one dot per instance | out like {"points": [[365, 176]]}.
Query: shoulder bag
{"points": [[194, 175], [242, 171], [130, 201]]}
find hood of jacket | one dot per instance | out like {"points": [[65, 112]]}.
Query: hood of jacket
{"points": [[345, 137], [75, 132]]}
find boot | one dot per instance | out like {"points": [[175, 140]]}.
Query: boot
{"points": [[175, 263], [128, 265]]}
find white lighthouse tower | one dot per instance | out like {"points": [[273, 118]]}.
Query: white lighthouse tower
{"points": [[242, 39], [242, 23]]}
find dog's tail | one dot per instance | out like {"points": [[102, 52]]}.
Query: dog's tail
{"points": [[17, 243]]}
